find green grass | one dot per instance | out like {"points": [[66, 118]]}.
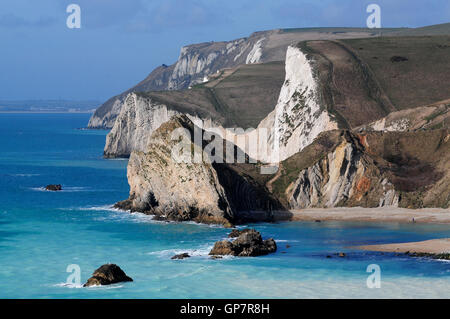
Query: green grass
{"points": [[421, 80]]}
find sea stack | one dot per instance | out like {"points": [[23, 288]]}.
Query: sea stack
{"points": [[107, 274], [248, 243]]}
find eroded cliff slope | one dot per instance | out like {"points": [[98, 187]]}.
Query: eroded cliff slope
{"points": [[370, 169], [168, 183]]}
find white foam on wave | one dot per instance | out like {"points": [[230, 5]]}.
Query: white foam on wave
{"points": [[122, 216], [201, 224], [68, 285], [78, 286], [286, 241], [110, 208], [24, 175], [202, 251], [116, 214]]}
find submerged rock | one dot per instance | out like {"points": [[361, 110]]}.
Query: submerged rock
{"points": [[248, 243], [181, 256], [53, 187], [106, 275]]}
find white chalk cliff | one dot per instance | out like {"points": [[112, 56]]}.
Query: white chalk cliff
{"points": [[298, 118]]}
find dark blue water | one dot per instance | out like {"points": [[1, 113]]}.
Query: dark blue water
{"points": [[42, 233]]}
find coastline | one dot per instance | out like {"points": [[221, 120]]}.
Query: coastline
{"points": [[381, 214], [433, 246]]}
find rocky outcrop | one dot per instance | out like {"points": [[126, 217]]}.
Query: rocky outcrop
{"points": [[180, 191], [435, 116], [371, 169], [341, 177], [183, 189], [237, 232], [138, 119], [249, 243], [107, 274]]}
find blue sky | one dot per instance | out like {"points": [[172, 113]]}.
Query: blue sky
{"points": [[121, 41]]}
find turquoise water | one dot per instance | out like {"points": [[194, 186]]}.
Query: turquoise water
{"points": [[41, 233]]}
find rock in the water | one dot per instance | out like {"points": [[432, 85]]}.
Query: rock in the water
{"points": [[53, 187], [181, 256], [164, 185], [248, 243], [236, 232], [106, 275]]}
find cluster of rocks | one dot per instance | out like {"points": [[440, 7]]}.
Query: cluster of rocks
{"points": [[247, 243], [107, 274]]}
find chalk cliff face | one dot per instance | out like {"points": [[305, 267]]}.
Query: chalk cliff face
{"points": [[195, 63], [138, 119], [181, 190], [175, 190], [299, 116]]}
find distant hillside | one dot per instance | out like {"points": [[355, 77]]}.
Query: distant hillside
{"points": [[438, 29]]}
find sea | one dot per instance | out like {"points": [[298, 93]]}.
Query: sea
{"points": [[51, 242]]}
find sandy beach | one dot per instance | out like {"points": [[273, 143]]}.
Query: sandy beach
{"points": [[382, 214], [434, 246]]}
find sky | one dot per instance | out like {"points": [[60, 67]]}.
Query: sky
{"points": [[121, 41]]}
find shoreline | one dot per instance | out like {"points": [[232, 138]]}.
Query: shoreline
{"points": [[432, 247], [381, 214]]}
